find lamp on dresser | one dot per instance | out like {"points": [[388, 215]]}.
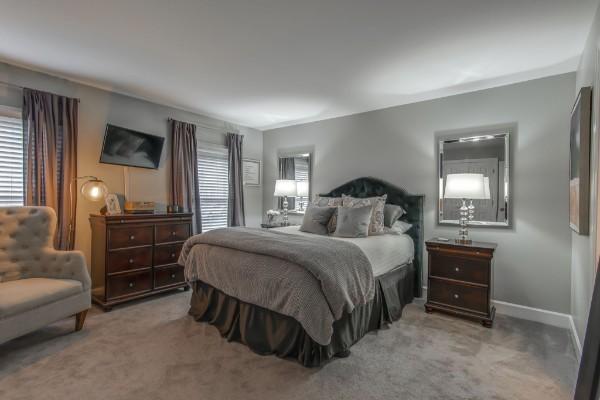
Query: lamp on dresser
{"points": [[467, 187], [285, 188]]}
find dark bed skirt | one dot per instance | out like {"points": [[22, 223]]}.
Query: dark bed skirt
{"points": [[268, 332]]}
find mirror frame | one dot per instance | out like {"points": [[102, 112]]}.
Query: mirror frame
{"points": [[299, 152], [476, 136]]}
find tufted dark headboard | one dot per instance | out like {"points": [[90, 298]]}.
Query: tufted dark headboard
{"points": [[413, 204]]}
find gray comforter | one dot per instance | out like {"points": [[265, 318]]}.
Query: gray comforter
{"points": [[315, 280]]}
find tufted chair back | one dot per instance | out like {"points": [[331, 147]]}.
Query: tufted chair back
{"points": [[26, 247]]}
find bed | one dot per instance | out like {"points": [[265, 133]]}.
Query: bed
{"points": [[268, 301]]}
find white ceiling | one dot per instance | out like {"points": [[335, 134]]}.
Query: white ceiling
{"points": [[269, 63]]}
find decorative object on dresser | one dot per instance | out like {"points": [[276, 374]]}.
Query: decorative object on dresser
{"points": [[460, 279], [285, 188], [139, 207], [135, 255], [466, 187]]}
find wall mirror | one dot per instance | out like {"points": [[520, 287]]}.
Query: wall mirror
{"points": [[296, 166], [486, 154]]}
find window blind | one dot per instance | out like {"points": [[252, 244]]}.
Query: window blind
{"points": [[11, 161], [213, 183], [301, 175]]}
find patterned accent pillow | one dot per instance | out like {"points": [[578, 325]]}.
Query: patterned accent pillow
{"points": [[377, 217], [333, 202]]}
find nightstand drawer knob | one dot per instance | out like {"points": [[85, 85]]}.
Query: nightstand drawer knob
{"points": [[456, 296], [131, 261], [131, 284], [131, 237], [457, 269], [172, 276]]}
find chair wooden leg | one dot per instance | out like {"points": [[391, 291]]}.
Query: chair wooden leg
{"points": [[80, 319]]}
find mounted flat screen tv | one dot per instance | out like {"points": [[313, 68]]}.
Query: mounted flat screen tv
{"points": [[124, 146]]}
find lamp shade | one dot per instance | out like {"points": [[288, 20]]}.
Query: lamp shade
{"points": [[285, 187], [464, 186], [302, 189], [94, 190]]}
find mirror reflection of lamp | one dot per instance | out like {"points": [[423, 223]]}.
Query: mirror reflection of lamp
{"points": [[466, 187], [302, 192], [285, 188]]}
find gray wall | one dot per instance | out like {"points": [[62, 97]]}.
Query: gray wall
{"points": [[583, 257], [96, 109], [397, 144]]}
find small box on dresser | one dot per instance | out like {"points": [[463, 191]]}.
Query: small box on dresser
{"points": [[460, 279], [135, 255]]}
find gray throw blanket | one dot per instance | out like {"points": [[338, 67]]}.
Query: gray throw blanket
{"points": [[312, 279]]}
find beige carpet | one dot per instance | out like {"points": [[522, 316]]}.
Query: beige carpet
{"points": [[153, 350]]}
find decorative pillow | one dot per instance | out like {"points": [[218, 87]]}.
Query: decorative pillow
{"points": [[353, 222], [334, 202], [398, 228], [316, 220], [378, 204], [391, 213]]}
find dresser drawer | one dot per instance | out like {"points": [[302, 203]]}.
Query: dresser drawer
{"points": [[121, 237], [129, 284], [459, 268], [166, 233], [458, 295], [168, 276], [123, 260], [167, 254]]}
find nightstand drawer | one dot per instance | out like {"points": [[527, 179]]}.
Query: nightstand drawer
{"points": [[458, 268], [458, 295]]}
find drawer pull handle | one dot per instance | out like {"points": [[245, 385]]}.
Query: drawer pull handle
{"points": [[131, 237], [131, 261], [173, 233], [457, 269], [173, 276], [172, 255], [456, 296], [131, 284]]}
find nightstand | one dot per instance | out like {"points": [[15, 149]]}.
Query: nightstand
{"points": [[460, 279]]}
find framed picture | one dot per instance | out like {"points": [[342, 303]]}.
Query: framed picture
{"points": [[579, 170], [251, 171], [112, 204]]}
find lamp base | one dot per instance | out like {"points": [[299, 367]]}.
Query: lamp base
{"points": [[463, 241]]}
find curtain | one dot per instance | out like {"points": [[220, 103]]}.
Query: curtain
{"points": [[50, 147], [184, 170], [235, 211], [287, 170]]}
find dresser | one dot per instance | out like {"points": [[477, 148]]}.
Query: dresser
{"points": [[460, 279], [135, 255]]}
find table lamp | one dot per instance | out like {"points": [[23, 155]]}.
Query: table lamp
{"points": [[285, 188], [302, 192], [465, 187]]}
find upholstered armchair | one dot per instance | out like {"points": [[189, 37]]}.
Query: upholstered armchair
{"points": [[38, 284]]}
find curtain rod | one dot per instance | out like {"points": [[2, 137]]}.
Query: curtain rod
{"points": [[23, 87], [221, 130]]}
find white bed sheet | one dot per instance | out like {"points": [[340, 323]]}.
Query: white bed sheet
{"points": [[385, 252]]}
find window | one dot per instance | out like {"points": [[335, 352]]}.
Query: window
{"points": [[213, 183], [11, 159]]}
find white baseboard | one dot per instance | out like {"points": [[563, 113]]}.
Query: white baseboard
{"points": [[538, 315], [575, 337]]}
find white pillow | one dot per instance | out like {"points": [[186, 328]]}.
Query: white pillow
{"points": [[399, 227]]}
